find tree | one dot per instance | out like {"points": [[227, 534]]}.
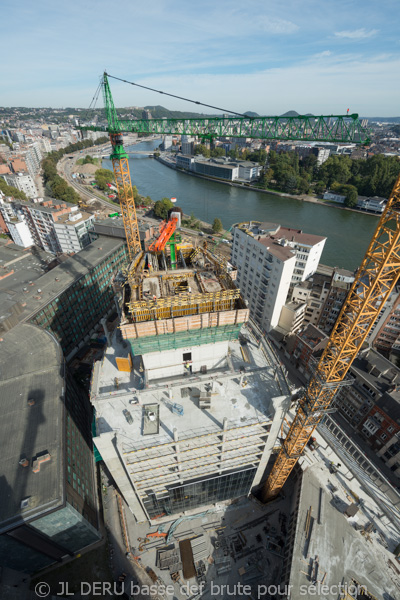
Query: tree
{"points": [[102, 177], [202, 149], [351, 195], [266, 177], [217, 225], [9, 190], [217, 152], [319, 187], [161, 208], [290, 184], [336, 168], [303, 185]]}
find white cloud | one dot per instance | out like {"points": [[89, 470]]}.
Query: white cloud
{"points": [[318, 87], [323, 54], [276, 25], [356, 34]]}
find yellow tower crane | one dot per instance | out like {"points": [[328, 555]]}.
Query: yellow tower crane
{"points": [[375, 280]]}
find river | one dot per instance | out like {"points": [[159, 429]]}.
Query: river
{"points": [[348, 233]]}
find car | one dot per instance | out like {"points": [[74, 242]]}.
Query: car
{"points": [[128, 416]]}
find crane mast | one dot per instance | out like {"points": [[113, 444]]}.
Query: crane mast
{"points": [[122, 175], [374, 282]]}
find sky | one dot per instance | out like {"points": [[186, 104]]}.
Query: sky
{"points": [[312, 56]]}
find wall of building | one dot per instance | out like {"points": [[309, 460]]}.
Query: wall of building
{"points": [[74, 313], [184, 361]]}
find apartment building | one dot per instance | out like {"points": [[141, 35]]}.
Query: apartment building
{"points": [[33, 158], [339, 288], [324, 293], [372, 403], [271, 260], [73, 231], [54, 226], [305, 348], [19, 232], [23, 182], [385, 335]]}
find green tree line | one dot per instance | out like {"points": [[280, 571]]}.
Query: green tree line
{"points": [[57, 187], [9, 190], [374, 176]]}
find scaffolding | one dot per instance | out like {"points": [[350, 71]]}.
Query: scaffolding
{"points": [[172, 341]]}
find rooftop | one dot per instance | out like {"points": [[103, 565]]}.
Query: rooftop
{"points": [[48, 205], [20, 297], [30, 431], [275, 232], [332, 549], [66, 219], [239, 404]]}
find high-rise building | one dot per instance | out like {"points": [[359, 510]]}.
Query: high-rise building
{"points": [[19, 232], [270, 260], [54, 225], [74, 230], [48, 507], [70, 299], [187, 145], [187, 407], [23, 182]]}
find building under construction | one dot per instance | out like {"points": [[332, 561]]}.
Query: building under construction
{"points": [[188, 403]]}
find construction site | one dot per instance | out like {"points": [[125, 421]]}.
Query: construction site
{"points": [[225, 487]]}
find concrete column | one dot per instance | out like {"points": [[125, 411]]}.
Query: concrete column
{"points": [[177, 450], [117, 306], [281, 406], [224, 430], [107, 445], [103, 322]]}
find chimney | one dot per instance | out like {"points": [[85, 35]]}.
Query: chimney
{"points": [[24, 462]]}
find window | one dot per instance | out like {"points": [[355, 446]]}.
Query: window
{"points": [[187, 356]]}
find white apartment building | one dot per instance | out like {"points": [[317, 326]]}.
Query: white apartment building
{"points": [[55, 226], [271, 260], [33, 158], [265, 269], [23, 182], [45, 144], [73, 231], [19, 232]]}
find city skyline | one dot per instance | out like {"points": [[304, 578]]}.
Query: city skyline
{"points": [[312, 58]]}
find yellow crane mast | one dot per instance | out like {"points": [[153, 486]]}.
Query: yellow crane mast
{"points": [[375, 280]]}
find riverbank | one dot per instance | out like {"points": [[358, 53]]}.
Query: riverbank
{"points": [[243, 186]]}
